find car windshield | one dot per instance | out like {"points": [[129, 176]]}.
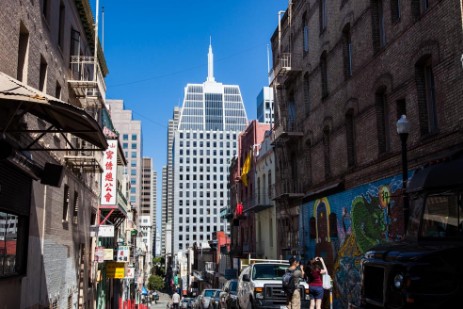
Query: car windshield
{"points": [[269, 271], [233, 286], [442, 217], [209, 293]]}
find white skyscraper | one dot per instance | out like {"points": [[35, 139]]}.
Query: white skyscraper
{"points": [[211, 117]]}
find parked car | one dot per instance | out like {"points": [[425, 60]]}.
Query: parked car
{"points": [[260, 285], [228, 298], [208, 299], [424, 269], [186, 303]]}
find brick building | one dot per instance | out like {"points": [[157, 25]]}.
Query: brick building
{"points": [[343, 74], [50, 168]]}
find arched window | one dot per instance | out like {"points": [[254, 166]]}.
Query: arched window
{"points": [[377, 20], [350, 138], [305, 34], [324, 75], [382, 120], [425, 87], [306, 88], [347, 51], [322, 15], [327, 151], [269, 179]]}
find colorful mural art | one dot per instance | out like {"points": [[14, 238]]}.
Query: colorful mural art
{"points": [[343, 226]]}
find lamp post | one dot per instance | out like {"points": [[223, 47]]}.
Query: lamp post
{"points": [[403, 129]]}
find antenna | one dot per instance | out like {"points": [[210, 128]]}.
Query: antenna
{"points": [[102, 28], [95, 60], [210, 63]]}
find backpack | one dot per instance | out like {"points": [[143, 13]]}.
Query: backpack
{"points": [[287, 283]]}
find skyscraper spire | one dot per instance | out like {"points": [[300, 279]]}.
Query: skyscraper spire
{"points": [[210, 63]]}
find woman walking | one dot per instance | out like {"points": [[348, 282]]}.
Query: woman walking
{"points": [[316, 269]]}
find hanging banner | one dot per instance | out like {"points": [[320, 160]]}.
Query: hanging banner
{"points": [[115, 270], [108, 183]]}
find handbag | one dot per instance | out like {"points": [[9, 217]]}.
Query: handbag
{"points": [[327, 282]]}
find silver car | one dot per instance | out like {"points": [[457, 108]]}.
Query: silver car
{"points": [[208, 299]]}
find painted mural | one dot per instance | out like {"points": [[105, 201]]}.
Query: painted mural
{"points": [[343, 226]]}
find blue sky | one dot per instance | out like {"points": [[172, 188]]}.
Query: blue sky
{"points": [[154, 48]]}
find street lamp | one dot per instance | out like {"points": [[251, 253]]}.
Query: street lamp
{"points": [[403, 129]]}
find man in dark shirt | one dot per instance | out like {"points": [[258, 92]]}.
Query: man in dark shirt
{"points": [[293, 301]]}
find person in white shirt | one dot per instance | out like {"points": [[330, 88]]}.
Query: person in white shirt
{"points": [[175, 300]]}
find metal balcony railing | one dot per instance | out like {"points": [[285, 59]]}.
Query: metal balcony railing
{"points": [[82, 78], [290, 188], [259, 202]]}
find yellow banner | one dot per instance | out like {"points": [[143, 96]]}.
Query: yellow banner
{"points": [[115, 270], [246, 168]]}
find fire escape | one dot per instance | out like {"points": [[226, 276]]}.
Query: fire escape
{"points": [[288, 133]]}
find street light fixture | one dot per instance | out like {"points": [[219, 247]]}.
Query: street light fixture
{"points": [[403, 129]]}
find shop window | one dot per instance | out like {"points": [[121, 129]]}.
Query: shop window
{"points": [[13, 244]]}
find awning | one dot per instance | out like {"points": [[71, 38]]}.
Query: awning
{"points": [[18, 99]]}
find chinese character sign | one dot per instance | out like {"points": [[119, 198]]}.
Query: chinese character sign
{"points": [[123, 254], [108, 184]]}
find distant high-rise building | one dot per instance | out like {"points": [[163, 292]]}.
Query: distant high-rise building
{"points": [[130, 135], [265, 105], [212, 115], [168, 181], [147, 215]]}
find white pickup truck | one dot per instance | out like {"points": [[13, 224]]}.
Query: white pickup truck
{"points": [[260, 285]]}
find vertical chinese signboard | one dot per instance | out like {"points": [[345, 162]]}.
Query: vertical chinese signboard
{"points": [[109, 185], [123, 254]]}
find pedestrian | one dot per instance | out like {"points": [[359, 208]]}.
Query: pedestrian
{"points": [[293, 295], [175, 300], [314, 276]]}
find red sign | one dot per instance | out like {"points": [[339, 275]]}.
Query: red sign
{"points": [[108, 185]]}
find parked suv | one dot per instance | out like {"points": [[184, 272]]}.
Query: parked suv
{"points": [[260, 285], [424, 270]]}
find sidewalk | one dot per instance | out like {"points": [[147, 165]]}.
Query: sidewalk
{"points": [[164, 299]]}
